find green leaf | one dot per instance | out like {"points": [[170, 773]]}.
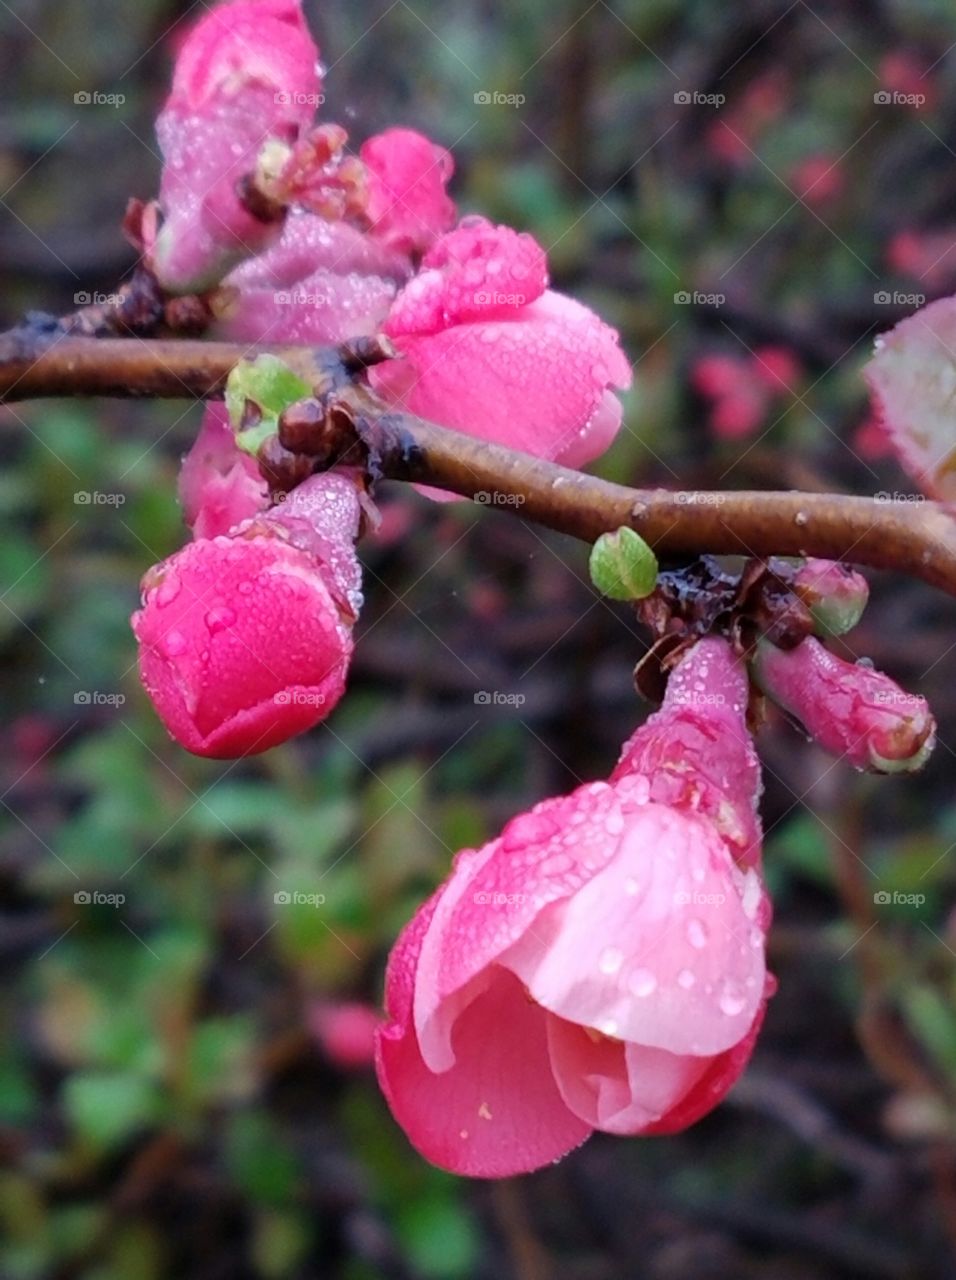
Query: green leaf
{"points": [[106, 1107], [623, 566], [271, 386]]}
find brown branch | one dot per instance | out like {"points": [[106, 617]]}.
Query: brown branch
{"points": [[917, 538]]}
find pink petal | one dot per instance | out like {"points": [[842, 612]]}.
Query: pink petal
{"points": [[476, 272], [534, 380], [232, 46], [660, 948], [496, 1111], [242, 644], [407, 175], [219, 485], [495, 894]]}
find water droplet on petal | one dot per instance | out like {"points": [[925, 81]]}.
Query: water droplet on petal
{"points": [[732, 999], [686, 979], [642, 982], [632, 888], [220, 618], [611, 960], [168, 591], [697, 934], [608, 1027], [174, 644]]}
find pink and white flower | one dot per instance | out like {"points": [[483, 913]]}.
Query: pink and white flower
{"points": [[599, 965]]}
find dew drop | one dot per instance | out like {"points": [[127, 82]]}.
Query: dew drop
{"points": [[614, 823], [732, 999], [697, 934], [245, 588], [220, 618], [608, 1027], [686, 979], [750, 899], [168, 591], [632, 888], [174, 644], [611, 960], [642, 982]]}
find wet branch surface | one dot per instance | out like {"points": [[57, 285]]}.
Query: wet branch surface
{"points": [[916, 538]]}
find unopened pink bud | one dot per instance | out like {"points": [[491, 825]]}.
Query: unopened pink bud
{"points": [[245, 640], [835, 594], [849, 708]]}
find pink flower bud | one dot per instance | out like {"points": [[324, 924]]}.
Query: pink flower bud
{"points": [[346, 1032], [849, 708], [245, 640], [600, 965], [407, 174], [246, 73], [489, 350], [219, 485], [835, 595]]}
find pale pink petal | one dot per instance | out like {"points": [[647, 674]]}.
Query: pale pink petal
{"points": [[912, 381], [495, 894], [615, 1087], [321, 282], [678, 960]]}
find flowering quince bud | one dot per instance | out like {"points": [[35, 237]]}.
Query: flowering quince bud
{"points": [[835, 595], [346, 1032], [406, 200], [599, 965], [219, 485], [245, 640], [849, 708], [489, 350], [247, 72]]}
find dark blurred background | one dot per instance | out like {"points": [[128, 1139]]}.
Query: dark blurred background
{"points": [[718, 181]]}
